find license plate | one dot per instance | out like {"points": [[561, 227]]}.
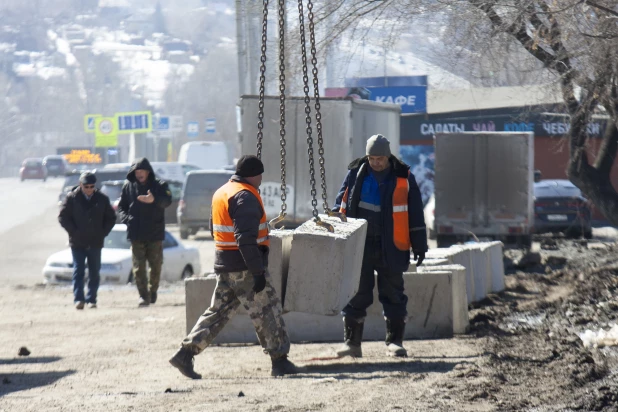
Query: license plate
{"points": [[557, 218]]}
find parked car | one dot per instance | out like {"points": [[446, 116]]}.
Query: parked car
{"points": [[71, 180], [105, 175], [196, 199], [560, 207], [429, 212], [113, 189], [56, 165], [179, 261], [33, 168]]}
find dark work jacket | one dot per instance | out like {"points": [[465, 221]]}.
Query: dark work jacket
{"points": [[246, 212], [396, 259], [145, 222], [87, 222]]}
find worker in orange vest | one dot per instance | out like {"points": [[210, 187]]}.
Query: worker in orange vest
{"points": [[240, 231], [381, 189]]}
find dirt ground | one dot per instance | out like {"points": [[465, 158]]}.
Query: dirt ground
{"points": [[522, 353]]}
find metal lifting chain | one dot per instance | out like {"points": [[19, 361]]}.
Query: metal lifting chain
{"points": [[284, 206], [260, 124], [314, 201], [316, 95]]}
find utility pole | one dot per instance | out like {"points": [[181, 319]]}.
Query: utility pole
{"points": [[241, 46]]}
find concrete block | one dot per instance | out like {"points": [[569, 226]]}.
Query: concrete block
{"points": [[324, 270], [461, 321], [496, 265], [480, 269], [458, 255], [279, 259], [434, 262], [412, 267], [198, 297]]}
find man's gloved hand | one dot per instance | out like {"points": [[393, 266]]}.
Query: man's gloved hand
{"points": [[419, 257], [259, 282]]}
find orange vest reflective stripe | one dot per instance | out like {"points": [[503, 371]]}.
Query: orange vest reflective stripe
{"points": [[401, 229], [222, 223]]}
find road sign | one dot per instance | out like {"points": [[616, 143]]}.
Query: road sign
{"points": [[193, 129], [176, 124], [106, 132], [162, 123], [211, 125], [89, 120], [134, 122]]}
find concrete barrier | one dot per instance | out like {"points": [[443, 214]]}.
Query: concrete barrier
{"points": [[324, 270], [482, 277], [431, 312], [461, 323], [458, 255], [496, 266]]}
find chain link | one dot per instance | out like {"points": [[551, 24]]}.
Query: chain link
{"points": [[318, 114], [314, 201], [282, 102], [260, 124]]}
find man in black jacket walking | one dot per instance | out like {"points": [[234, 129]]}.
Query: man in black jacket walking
{"points": [[142, 208], [88, 217]]}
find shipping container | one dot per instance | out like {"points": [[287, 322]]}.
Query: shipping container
{"points": [[484, 187], [346, 125]]}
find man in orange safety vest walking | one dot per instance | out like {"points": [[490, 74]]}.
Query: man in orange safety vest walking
{"points": [[240, 231]]}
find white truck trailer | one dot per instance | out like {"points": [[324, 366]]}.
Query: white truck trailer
{"points": [[346, 124], [484, 187]]}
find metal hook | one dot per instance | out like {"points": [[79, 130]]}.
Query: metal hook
{"points": [[276, 220], [325, 225], [340, 215]]}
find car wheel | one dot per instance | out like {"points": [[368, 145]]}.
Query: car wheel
{"points": [[187, 272], [184, 233], [22, 179]]}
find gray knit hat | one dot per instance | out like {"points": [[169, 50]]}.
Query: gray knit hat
{"points": [[378, 145]]}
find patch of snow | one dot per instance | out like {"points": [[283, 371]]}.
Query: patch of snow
{"points": [[600, 338]]}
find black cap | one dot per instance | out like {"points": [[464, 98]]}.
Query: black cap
{"points": [[87, 178], [249, 166]]}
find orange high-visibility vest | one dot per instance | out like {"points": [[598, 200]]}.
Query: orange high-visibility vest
{"points": [[222, 223], [401, 229]]}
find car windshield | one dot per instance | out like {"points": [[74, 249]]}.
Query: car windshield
{"points": [[200, 183], [111, 191], [117, 239], [54, 161]]}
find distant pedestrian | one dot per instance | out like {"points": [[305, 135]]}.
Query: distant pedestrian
{"points": [[88, 217], [240, 231], [381, 189], [142, 208]]}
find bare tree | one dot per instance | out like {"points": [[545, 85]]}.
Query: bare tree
{"points": [[572, 40]]}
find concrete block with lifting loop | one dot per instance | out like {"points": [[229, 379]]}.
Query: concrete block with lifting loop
{"points": [[327, 251]]}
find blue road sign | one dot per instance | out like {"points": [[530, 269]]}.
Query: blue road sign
{"points": [[193, 129], [134, 122], [211, 125], [163, 124]]}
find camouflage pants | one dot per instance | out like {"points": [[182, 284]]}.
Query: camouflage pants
{"points": [[151, 252], [264, 310]]}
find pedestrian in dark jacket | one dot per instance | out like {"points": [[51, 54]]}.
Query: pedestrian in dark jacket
{"points": [[240, 231], [142, 208], [88, 217], [381, 189]]}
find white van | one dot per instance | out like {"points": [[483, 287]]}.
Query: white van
{"points": [[206, 155]]}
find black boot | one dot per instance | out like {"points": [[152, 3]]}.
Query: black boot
{"points": [[395, 329], [153, 297], [183, 360], [352, 338], [282, 366]]}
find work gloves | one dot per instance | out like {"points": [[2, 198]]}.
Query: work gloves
{"points": [[259, 282], [419, 257]]}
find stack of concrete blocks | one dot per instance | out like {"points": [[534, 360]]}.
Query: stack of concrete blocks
{"points": [[482, 277], [459, 316], [324, 268]]}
